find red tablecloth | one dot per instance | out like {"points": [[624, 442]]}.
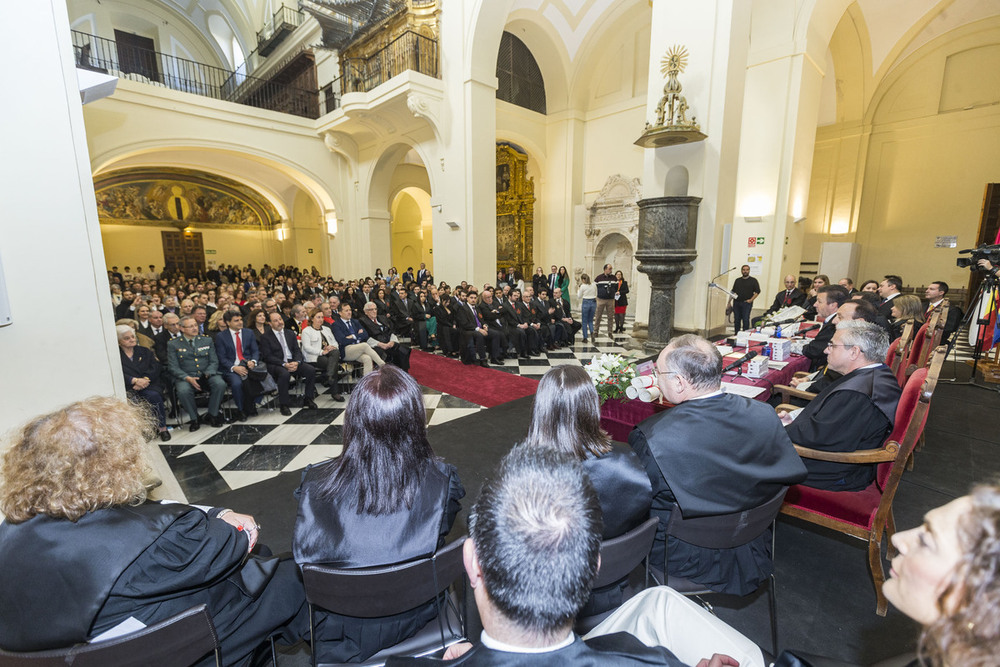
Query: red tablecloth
{"points": [[619, 416]]}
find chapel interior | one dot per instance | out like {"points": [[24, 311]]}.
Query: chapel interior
{"points": [[855, 138]]}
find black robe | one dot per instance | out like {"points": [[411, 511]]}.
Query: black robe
{"points": [[854, 412], [712, 456], [331, 532], [150, 562]]}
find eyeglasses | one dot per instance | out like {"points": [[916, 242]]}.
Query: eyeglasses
{"points": [[839, 345]]}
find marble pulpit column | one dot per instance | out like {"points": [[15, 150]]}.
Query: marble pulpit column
{"points": [[667, 230]]}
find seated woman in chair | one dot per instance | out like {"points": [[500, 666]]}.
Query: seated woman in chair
{"points": [[906, 309], [82, 552], [387, 499], [566, 416], [142, 376]]}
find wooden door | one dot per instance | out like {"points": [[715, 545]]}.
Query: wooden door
{"points": [[184, 252]]}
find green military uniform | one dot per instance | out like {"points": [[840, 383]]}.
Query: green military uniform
{"points": [[195, 357]]}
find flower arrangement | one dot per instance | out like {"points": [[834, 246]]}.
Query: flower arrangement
{"points": [[611, 374]]}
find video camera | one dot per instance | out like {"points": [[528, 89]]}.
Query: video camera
{"points": [[987, 252]]}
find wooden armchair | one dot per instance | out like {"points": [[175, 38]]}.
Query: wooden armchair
{"points": [[867, 514]]}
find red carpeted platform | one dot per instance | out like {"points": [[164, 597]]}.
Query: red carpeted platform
{"points": [[482, 386]]}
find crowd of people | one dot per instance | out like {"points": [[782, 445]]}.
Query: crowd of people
{"points": [[257, 332], [75, 501]]}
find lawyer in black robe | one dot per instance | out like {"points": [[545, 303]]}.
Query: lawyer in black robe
{"points": [[715, 455], [854, 412]]}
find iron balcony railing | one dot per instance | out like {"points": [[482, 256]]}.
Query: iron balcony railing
{"points": [[159, 69], [409, 51], [282, 23]]}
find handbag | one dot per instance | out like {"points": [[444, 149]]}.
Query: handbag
{"points": [[267, 383]]}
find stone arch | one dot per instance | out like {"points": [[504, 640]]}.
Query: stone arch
{"points": [[380, 192], [618, 251], [613, 228], [490, 17]]}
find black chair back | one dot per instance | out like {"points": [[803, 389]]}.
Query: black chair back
{"points": [[179, 641], [374, 592], [725, 531], [620, 555]]}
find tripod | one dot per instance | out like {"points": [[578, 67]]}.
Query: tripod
{"points": [[991, 284]]}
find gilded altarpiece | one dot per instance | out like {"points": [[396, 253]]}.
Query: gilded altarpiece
{"points": [[515, 211]]}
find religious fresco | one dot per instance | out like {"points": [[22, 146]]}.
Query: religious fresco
{"points": [[180, 197]]}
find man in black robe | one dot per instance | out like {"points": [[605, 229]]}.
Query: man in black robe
{"points": [[854, 412], [714, 453]]}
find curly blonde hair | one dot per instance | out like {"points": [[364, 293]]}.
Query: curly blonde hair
{"points": [[86, 456], [967, 631]]}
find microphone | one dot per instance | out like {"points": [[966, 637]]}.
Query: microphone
{"points": [[739, 362], [794, 319], [723, 273], [812, 328]]}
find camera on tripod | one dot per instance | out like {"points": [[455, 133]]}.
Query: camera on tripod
{"points": [[990, 253]]}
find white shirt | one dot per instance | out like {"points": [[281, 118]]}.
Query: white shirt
{"points": [[498, 645], [280, 335]]}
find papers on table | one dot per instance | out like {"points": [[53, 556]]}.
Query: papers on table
{"points": [[747, 390], [776, 365]]}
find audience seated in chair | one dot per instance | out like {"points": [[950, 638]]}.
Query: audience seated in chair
{"points": [[82, 551], [854, 412], [531, 565], [193, 366], [712, 454], [352, 338], [238, 355], [385, 500], [142, 376], [319, 347], [566, 416], [281, 352], [385, 343]]}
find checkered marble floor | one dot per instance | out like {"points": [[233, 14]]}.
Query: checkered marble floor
{"points": [[215, 460]]}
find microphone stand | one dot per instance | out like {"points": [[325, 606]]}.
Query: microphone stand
{"points": [[708, 301]]}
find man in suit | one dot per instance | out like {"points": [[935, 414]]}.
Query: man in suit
{"points": [[407, 276], [192, 365], [155, 323], [855, 412], [238, 355], [423, 274], [281, 352], [553, 278], [531, 565], [563, 316], [828, 299], [889, 289], [200, 314], [399, 311], [386, 344], [935, 294], [848, 285], [713, 453], [171, 330], [490, 313], [543, 311], [790, 296], [518, 325], [352, 339], [474, 334]]}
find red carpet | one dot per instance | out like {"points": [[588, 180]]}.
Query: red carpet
{"points": [[482, 386]]}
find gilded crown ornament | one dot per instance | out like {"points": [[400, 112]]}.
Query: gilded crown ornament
{"points": [[672, 125]]}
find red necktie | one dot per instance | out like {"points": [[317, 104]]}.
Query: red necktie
{"points": [[239, 347]]}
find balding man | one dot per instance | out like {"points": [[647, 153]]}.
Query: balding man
{"points": [[790, 296], [714, 453], [853, 413]]}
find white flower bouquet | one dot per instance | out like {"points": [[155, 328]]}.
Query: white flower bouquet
{"points": [[611, 375]]}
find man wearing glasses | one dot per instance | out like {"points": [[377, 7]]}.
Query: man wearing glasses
{"points": [[852, 413], [713, 453]]}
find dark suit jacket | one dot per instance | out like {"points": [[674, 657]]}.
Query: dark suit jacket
{"points": [[271, 352], [424, 273], [341, 333], [615, 650], [420, 312], [225, 350], [399, 310], [407, 277], [380, 329], [797, 298], [816, 348], [141, 365], [161, 341], [464, 319], [885, 309]]}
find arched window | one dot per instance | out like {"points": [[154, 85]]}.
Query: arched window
{"points": [[519, 81]]}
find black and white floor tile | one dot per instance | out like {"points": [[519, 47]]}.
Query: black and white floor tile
{"points": [[214, 460]]}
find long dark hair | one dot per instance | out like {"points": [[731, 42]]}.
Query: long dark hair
{"points": [[385, 445], [567, 414]]}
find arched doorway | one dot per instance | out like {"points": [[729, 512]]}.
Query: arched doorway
{"points": [[616, 250], [410, 222]]}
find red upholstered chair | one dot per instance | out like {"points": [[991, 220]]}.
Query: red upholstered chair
{"points": [[867, 514], [920, 339], [891, 356]]}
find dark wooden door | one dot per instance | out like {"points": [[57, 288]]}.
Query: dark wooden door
{"points": [[137, 54], [184, 252]]}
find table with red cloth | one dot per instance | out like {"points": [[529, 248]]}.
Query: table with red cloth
{"points": [[618, 417]]}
